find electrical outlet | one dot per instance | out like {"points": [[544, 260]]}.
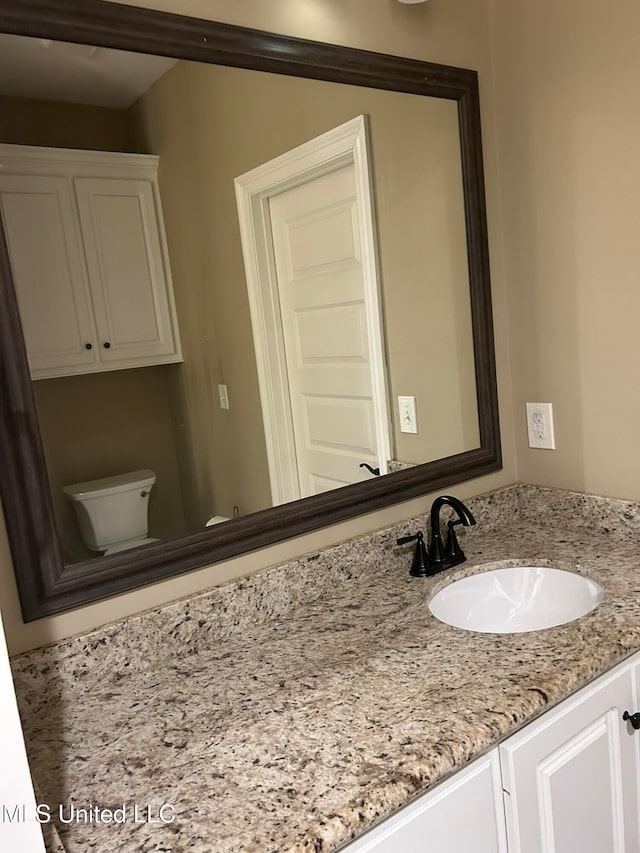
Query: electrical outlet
{"points": [[408, 417], [540, 425]]}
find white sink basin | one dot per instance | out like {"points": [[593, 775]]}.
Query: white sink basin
{"points": [[522, 598]]}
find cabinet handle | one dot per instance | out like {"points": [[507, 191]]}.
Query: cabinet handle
{"points": [[88, 346], [634, 719], [106, 345]]}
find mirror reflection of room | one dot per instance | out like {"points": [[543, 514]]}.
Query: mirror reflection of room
{"points": [[177, 441]]}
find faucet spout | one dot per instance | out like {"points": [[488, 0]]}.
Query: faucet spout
{"points": [[463, 512], [441, 557]]}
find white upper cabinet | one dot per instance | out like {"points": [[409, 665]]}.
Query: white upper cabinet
{"points": [[89, 259], [51, 285]]}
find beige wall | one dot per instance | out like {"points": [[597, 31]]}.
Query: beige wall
{"points": [[567, 83], [425, 276], [121, 419], [27, 121], [455, 32], [186, 119]]}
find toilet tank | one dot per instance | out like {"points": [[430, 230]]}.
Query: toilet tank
{"points": [[112, 509]]}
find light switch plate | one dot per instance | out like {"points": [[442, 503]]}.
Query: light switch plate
{"points": [[223, 396], [540, 425], [408, 416]]}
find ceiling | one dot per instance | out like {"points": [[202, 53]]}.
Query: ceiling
{"points": [[79, 74]]}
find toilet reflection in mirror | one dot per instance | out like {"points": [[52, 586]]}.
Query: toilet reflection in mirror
{"points": [[210, 125], [112, 512]]}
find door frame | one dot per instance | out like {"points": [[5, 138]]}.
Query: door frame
{"points": [[342, 146]]}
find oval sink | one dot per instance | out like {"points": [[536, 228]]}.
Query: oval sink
{"points": [[522, 598]]}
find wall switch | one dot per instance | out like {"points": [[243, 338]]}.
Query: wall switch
{"points": [[223, 396], [540, 425], [408, 417]]}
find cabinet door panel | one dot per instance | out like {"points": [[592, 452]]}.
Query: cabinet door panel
{"points": [[48, 272], [462, 815], [127, 272], [569, 779]]}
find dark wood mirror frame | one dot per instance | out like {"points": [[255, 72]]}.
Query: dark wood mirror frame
{"points": [[45, 584]]}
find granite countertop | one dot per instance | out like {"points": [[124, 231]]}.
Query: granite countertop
{"points": [[293, 710]]}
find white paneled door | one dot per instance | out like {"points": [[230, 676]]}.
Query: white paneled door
{"points": [[309, 245], [324, 326]]}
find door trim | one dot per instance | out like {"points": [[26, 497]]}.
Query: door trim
{"points": [[342, 146]]}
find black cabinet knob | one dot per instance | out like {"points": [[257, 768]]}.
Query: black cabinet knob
{"points": [[88, 346], [106, 345], [634, 719]]}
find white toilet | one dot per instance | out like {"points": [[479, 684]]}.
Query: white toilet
{"points": [[113, 512]]}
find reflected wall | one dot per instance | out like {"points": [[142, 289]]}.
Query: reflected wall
{"points": [[210, 124]]}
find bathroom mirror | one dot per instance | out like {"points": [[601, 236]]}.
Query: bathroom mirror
{"points": [[48, 579], [406, 262]]}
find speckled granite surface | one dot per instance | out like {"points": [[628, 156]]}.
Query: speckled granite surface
{"points": [[292, 710], [397, 465]]}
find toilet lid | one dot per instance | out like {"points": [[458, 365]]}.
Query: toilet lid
{"points": [[110, 485]]}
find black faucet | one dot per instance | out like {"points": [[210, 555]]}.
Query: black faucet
{"points": [[443, 557], [439, 556]]}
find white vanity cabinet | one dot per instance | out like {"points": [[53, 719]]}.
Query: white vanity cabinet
{"points": [[571, 778], [89, 259], [568, 782]]}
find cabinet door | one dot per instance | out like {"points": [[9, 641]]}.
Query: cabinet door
{"points": [[49, 274], [128, 272], [635, 673], [570, 778], [462, 815]]}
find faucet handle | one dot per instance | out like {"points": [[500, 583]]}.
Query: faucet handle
{"points": [[452, 547], [420, 565]]}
